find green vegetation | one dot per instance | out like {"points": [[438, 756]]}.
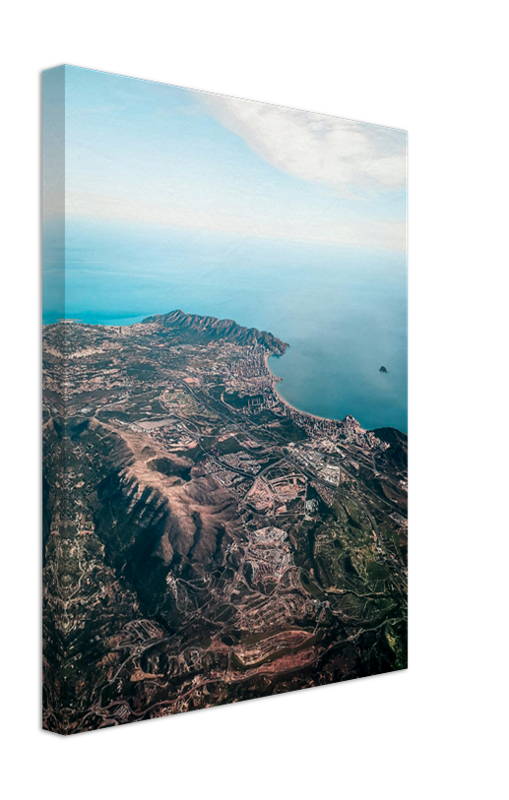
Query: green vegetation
{"points": [[208, 442], [288, 431], [216, 391], [230, 445], [396, 636], [377, 571], [311, 587], [235, 401], [193, 453], [262, 416]]}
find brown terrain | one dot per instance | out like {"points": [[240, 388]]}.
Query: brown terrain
{"points": [[203, 542]]}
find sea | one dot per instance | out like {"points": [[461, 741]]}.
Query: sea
{"points": [[342, 310]]}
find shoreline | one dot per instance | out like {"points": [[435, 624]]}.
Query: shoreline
{"points": [[276, 379]]}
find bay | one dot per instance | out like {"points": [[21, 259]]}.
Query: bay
{"points": [[343, 310]]}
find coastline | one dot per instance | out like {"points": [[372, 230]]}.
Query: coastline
{"points": [[276, 379]]}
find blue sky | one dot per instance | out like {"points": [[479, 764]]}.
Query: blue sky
{"points": [[158, 155]]}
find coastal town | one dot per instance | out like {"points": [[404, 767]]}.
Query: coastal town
{"points": [[212, 542]]}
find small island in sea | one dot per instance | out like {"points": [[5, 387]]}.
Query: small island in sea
{"points": [[204, 541]]}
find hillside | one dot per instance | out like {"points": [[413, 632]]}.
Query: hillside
{"points": [[207, 329]]}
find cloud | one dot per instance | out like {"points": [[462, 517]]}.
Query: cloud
{"points": [[349, 156]]}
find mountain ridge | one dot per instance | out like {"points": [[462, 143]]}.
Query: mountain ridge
{"points": [[208, 328]]}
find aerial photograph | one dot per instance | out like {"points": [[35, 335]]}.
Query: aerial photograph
{"points": [[224, 400]]}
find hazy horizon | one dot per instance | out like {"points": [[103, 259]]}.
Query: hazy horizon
{"points": [[279, 219]]}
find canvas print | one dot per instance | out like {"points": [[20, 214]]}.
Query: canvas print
{"points": [[224, 400]]}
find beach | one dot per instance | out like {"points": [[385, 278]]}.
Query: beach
{"points": [[275, 380]]}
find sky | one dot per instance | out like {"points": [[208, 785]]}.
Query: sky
{"points": [[152, 154]]}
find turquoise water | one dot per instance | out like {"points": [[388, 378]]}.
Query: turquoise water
{"points": [[342, 310]]}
